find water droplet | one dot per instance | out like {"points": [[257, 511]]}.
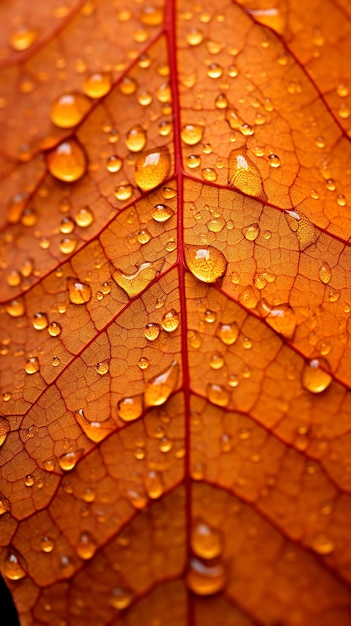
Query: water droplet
{"points": [[216, 361], [159, 388], [170, 321], [228, 333], [274, 160], [84, 217], [251, 232], [47, 544], [4, 429], [152, 331], [95, 431], [154, 485], [69, 460], [130, 408], [304, 229], [12, 566], [216, 225], [324, 273], [143, 363], [214, 70], [67, 225], [209, 174], [152, 168], [66, 566], [194, 339], [114, 163], [14, 278], [86, 546], [136, 139], [32, 365], [315, 375], [192, 134], [40, 321], [69, 109], [97, 85], [78, 292], [54, 329], [322, 544], [244, 174], [55, 361], [68, 245], [194, 37], [135, 283], [249, 298], [67, 162], [218, 395], [207, 264], [221, 101], [15, 308], [102, 368], [206, 542], [143, 237], [162, 213], [121, 598], [280, 317], [127, 86], [205, 579], [22, 38], [124, 191], [193, 161], [210, 316]]}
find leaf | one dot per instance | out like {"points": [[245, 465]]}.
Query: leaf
{"points": [[175, 356]]}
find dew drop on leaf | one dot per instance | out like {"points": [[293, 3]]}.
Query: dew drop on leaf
{"points": [[244, 174], [47, 544], [98, 84], [170, 321], [67, 162], [152, 168], [205, 578], [68, 460], [12, 567], [280, 317], [54, 329], [192, 134], [40, 321], [251, 232], [159, 388], [15, 308], [121, 598], [324, 273], [95, 431], [322, 544], [207, 264], [69, 109], [274, 160], [228, 333], [86, 546], [154, 484], [130, 408], [78, 292], [136, 139], [206, 542], [32, 365], [315, 375], [114, 164], [162, 213], [152, 331], [217, 394], [216, 361], [135, 283], [303, 227], [4, 429], [84, 217], [68, 245], [22, 38]]}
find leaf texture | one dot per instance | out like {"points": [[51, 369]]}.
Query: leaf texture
{"points": [[175, 347]]}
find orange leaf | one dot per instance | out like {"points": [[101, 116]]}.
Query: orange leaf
{"points": [[175, 350]]}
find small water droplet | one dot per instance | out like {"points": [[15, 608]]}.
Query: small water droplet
{"points": [[210, 316], [205, 578], [280, 317], [194, 37], [143, 363], [69, 109], [274, 160], [193, 161], [121, 598], [86, 546], [217, 394], [315, 375], [214, 70], [216, 361], [22, 38], [162, 213], [135, 283], [206, 541], [144, 237], [194, 339], [84, 217], [152, 331], [251, 232], [324, 273], [154, 485], [209, 174], [152, 168], [170, 321], [97, 85], [40, 321], [68, 245], [322, 544], [68, 460], [159, 388], [47, 544], [228, 333], [4, 429], [123, 192], [207, 264], [130, 408], [55, 361], [114, 163], [78, 292], [67, 162], [303, 227], [54, 329], [244, 174], [136, 139], [32, 365], [12, 566], [102, 368], [249, 298], [15, 308], [192, 134]]}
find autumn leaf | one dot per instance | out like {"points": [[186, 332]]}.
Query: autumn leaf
{"points": [[175, 350]]}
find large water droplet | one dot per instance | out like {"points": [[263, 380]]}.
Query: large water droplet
{"points": [[86, 546], [68, 460], [130, 408], [162, 213], [205, 578], [4, 429], [135, 283], [159, 388], [136, 139], [32, 365], [12, 566], [280, 317], [95, 431], [97, 85], [154, 485], [152, 168], [315, 375], [206, 542], [217, 394], [152, 331], [192, 134], [78, 292], [228, 333], [303, 227], [170, 321], [69, 109], [244, 174], [67, 162], [207, 264], [40, 321]]}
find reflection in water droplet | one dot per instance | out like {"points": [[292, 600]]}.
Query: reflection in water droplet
{"points": [[244, 174], [32, 365], [40, 321], [280, 317], [130, 408], [170, 321], [78, 292], [135, 283], [136, 139], [228, 333], [324, 273], [144, 237], [206, 542], [218, 395], [207, 264], [12, 567], [95, 431], [192, 134], [159, 388], [69, 460], [121, 597], [69, 109], [67, 162], [315, 375], [154, 485], [4, 429], [97, 85], [205, 579], [152, 168], [86, 546]]}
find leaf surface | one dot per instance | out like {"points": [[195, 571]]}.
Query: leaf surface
{"points": [[175, 350]]}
